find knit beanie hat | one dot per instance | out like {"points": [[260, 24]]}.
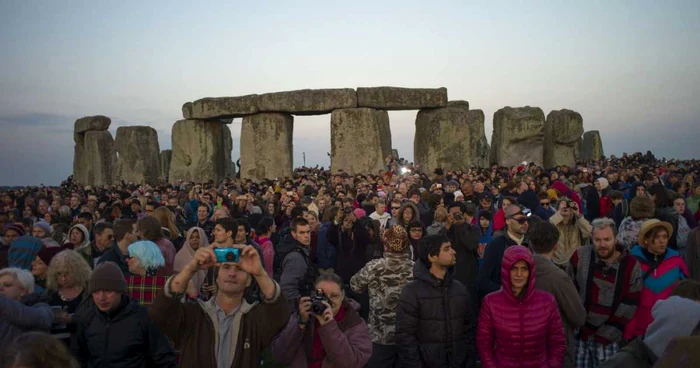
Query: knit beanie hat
{"points": [[396, 239], [46, 254], [43, 225], [669, 323], [359, 213], [107, 276], [642, 207]]}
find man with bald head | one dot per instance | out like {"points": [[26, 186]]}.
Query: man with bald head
{"points": [[517, 221]]}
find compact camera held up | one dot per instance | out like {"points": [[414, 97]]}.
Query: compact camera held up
{"points": [[317, 306]]}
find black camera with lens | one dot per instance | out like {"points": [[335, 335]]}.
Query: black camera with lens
{"points": [[317, 306]]}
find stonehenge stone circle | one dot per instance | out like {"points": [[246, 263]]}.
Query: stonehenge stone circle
{"points": [[458, 103], [99, 148], [165, 157], [518, 135], [198, 151], [266, 146], [449, 138], [396, 98], [592, 146], [562, 132], [84, 161], [138, 159], [360, 140]]}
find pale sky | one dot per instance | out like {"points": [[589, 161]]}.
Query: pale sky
{"points": [[631, 68]]}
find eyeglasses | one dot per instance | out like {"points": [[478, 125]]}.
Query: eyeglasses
{"points": [[544, 204], [416, 230], [521, 220], [128, 257], [395, 208]]}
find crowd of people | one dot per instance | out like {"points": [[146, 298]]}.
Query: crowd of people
{"points": [[596, 265]]}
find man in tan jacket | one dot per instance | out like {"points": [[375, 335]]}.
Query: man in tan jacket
{"points": [[574, 230]]}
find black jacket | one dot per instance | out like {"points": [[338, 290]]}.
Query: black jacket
{"points": [[489, 279], [125, 338], [635, 354], [351, 249], [465, 240], [435, 326]]}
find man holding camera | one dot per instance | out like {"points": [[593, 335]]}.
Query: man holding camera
{"points": [[228, 330], [574, 230]]}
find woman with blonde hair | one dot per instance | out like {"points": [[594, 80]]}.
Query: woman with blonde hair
{"points": [[66, 281], [167, 222]]}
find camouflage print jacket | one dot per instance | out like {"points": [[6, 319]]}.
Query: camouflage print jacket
{"points": [[384, 278]]}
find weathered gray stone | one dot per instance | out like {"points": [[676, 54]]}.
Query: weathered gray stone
{"points": [[266, 146], [397, 98], [139, 154], [220, 107], [79, 159], [518, 135], [88, 123], [359, 140], [592, 146], [479, 149], [99, 148], [458, 103], [166, 157], [229, 166], [307, 101], [562, 132], [198, 151], [450, 138]]}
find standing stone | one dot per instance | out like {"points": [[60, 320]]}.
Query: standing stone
{"points": [[84, 161], [449, 138], [266, 146], [308, 101], [99, 147], [562, 132], [229, 165], [198, 151], [220, 107], [396, 98], [592, 146], [518, 135], [166, 157], [139, 155], [360, 140]]}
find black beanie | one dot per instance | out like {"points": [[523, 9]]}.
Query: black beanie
{"points": [[107, 276]]}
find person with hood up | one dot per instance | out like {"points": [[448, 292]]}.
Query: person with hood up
{"points": [[520, 326], [196, 237], [407, 213], [668, 324], [384, 278], [641, 209], [79, 236], [662, 269], [435, 326], [329, 333], [485, 234]]}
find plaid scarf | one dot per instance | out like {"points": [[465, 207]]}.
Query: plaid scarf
{"points": [[144, 288]]}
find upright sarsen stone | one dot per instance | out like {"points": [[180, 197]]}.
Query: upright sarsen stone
{"points": [[166, 157], [99, 147], [79, 159], [397, 98], [360, 140], [198, 151], [266, 146], [229, 165], [450, 138], [518, 135], [592, 146], [562, 132], [138, 158]]}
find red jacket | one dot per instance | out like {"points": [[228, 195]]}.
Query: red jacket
{"points": [[520, 332]]}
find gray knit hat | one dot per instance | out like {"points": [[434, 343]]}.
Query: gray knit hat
{"points": [[107, 276]]}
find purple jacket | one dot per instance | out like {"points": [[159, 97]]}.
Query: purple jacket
{"points": [[347, 344]]}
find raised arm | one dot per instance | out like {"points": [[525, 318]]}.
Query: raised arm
{"points": [[37, 317]]}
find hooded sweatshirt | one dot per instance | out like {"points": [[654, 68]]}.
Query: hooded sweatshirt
{"points": [[86, 236], [186, 254], [532, 335], [383, 218]]}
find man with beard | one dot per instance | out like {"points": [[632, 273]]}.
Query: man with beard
{"points": [[609, 282]]}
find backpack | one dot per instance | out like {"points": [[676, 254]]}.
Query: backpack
{"points": [[307, 282]]}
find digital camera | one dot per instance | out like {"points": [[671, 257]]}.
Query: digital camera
{"points": [[227, 254], [317, 306]]}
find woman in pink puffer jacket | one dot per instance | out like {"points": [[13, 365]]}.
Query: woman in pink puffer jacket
{"points": [[520, 326]]}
